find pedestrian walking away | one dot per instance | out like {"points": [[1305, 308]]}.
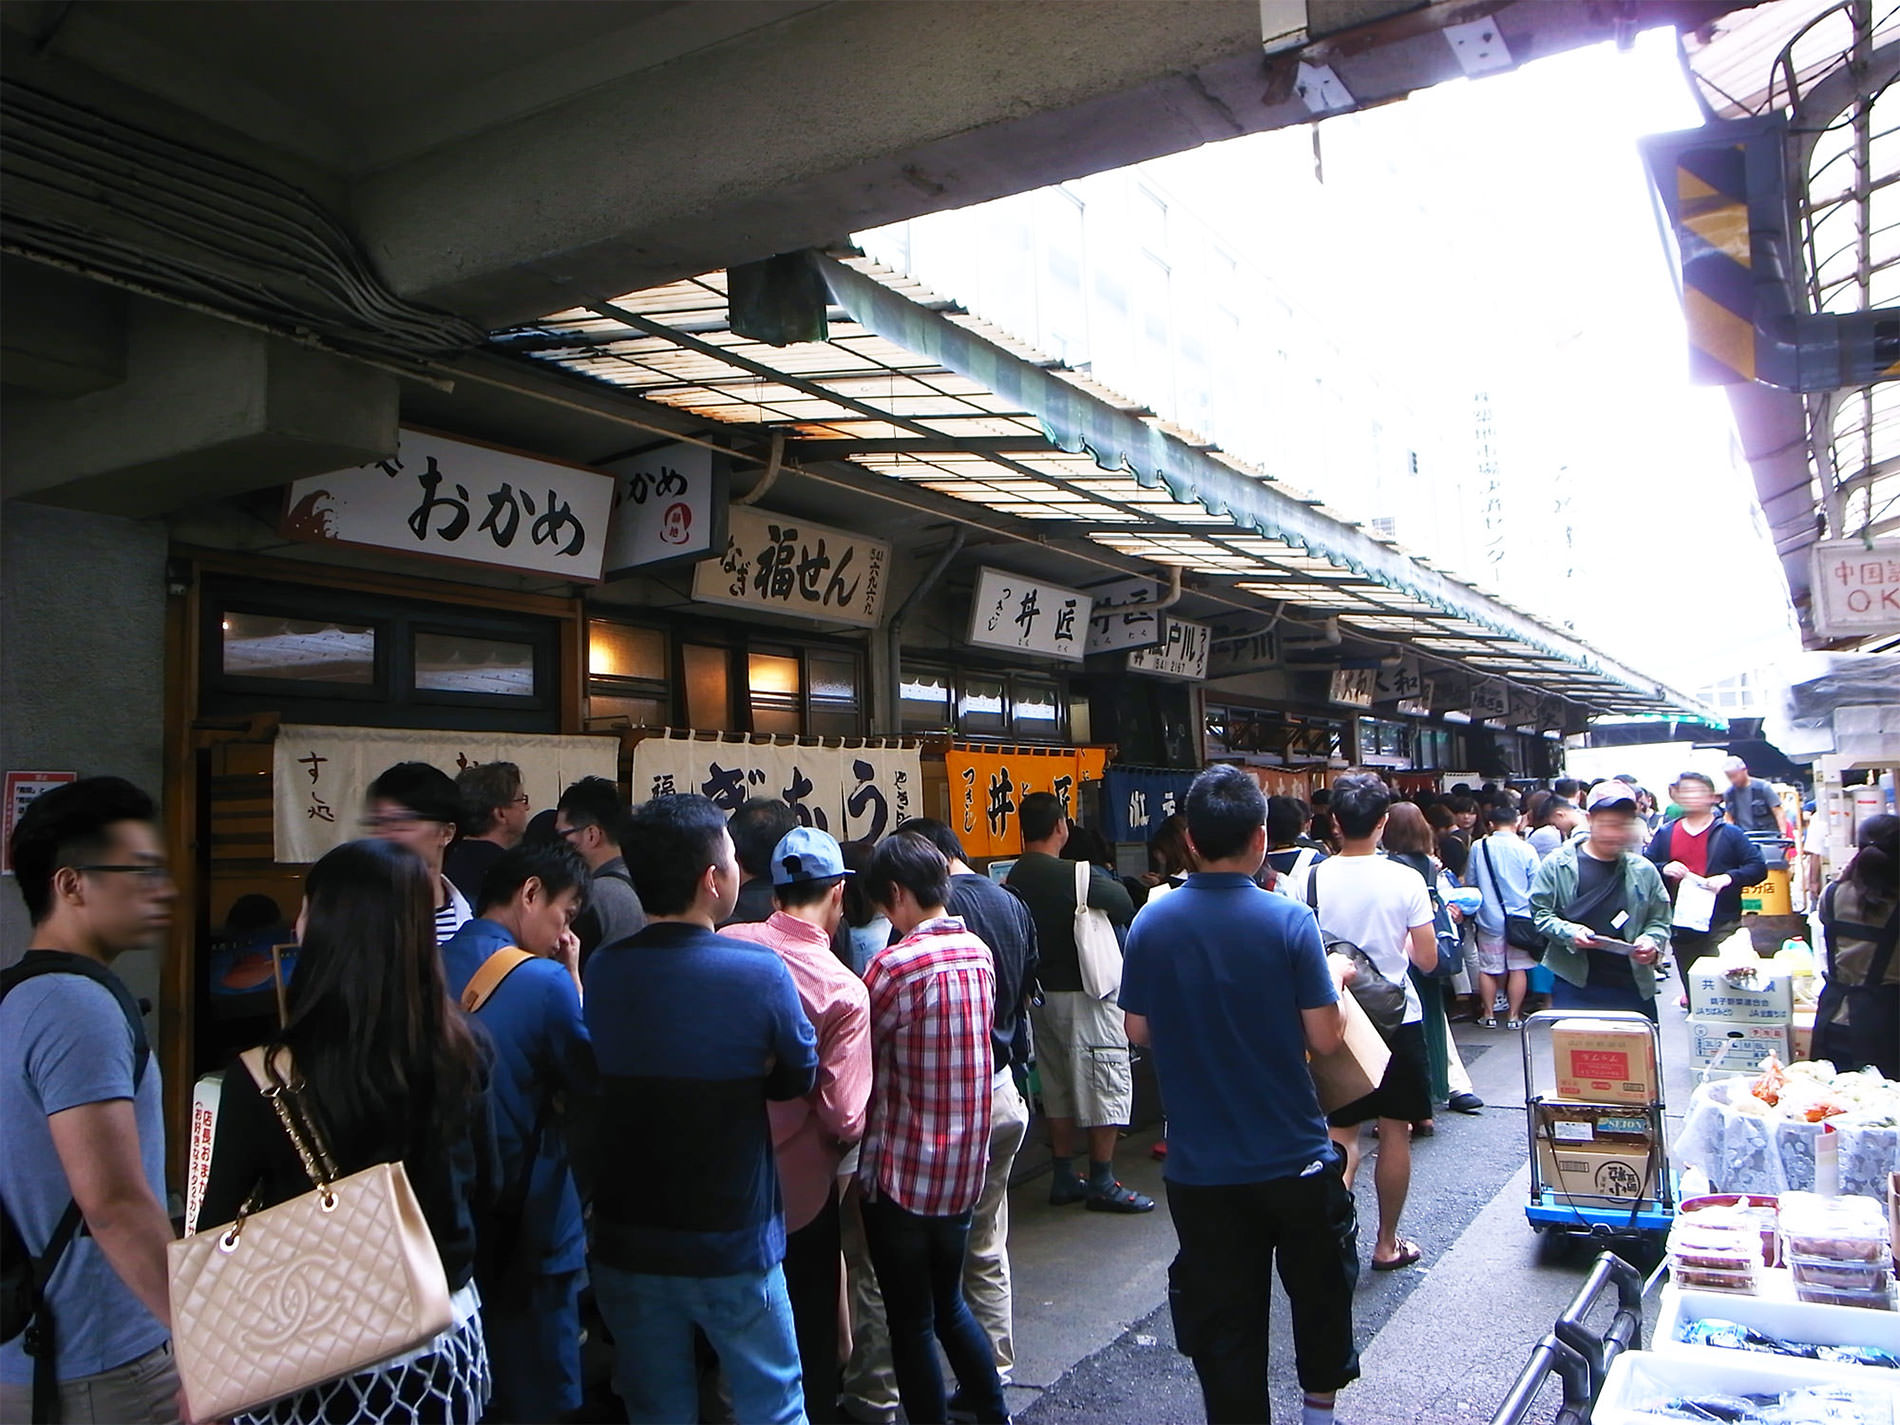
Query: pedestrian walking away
{"points": [[1231, 987]]}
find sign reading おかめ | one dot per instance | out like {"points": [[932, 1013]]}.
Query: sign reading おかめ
{"points": [[451, 499]]}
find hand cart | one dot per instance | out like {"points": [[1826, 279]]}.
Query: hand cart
{"points": [[1613, 1200]]}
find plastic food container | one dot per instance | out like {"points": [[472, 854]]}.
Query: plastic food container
{"points": [[1840, 1229], [1826, 1271], [1711, 1279], [1761, 1208], [1882, 1300]]}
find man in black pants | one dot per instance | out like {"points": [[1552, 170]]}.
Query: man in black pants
{"points": [[1232, 988]]}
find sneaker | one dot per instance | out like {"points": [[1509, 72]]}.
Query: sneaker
{"points": [[1500, 1004], [1465, 1102]]}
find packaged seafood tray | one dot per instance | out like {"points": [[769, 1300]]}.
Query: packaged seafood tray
{"points": [[1831, 1272], [1648, 1388], [1878, 1299], [1774, 1324], [1840, 1229]]}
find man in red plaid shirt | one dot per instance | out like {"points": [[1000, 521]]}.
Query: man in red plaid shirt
{"points": [[926, 1146]]}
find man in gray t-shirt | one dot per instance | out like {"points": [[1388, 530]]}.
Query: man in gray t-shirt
{"points": [[79, 1121]]}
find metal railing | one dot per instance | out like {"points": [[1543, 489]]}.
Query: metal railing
{"points": [[1578, 1356]]}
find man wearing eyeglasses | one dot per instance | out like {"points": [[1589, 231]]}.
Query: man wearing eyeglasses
{"points": [[495, 811], [590, 817], [83, 1174]]}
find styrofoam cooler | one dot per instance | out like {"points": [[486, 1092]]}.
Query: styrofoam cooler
{"points": [[1636, 1377], [1776, 1311]]}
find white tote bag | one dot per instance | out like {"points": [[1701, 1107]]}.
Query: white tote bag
{"points": [[1096, 949]]}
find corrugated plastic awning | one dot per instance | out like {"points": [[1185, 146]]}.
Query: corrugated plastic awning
{"points": [[916, 391]]}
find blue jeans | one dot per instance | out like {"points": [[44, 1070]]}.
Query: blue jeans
{"points": [[919, 1265], [748, 1319], [534, 1348]]}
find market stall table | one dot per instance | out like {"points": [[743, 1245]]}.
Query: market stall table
{"points": [[1744, 1145]]}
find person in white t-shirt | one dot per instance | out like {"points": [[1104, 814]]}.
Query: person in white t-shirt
{"points": [[1383, 908]]}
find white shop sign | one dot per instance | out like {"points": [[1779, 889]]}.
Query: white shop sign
{"points": [[1124, 616], [1856, 586], [791, 565], [451, 499], [1406, 685], [669, 507], [1028, 616], [1354, 687], [1182, 653]]}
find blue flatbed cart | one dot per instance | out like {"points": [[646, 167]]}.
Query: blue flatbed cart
{"points": [[1620, 1202]]}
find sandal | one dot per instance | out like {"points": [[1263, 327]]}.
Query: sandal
{"points": [[1409, 1253], [1514, 1024], [1118, 1198], [1488, 1022]]}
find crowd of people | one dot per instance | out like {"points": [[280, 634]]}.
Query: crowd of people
{"points": [[823, 1053]]}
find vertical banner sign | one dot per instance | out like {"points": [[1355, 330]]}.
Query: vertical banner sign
{"points": [[1028, 616], [1856, 587], [474, 504], [1122, 616], [1182, 652], [988, 784], [1136, 800], [21, 789], [789, 565], [1354, 687], [1276, 783], [319, 774], [669, 508]]}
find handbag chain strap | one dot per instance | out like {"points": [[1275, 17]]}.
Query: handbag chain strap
{"points": [[300, 1126]]}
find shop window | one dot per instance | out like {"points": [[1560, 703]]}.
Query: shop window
{"points": [[297, 650], [982, 706], [623, 651], [458, 663], [1022, 706], [708, 687], [773, 684], [924, 695], [1035, 710]]}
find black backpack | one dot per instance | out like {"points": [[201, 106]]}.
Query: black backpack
{"points": [[1381, 999], [23, 1276]]}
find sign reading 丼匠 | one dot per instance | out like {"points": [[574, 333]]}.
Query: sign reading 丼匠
{"points": [[451, 499], [1182, 652], [21, 789], [669, 508], [1123, 615], [855, 793], [790, 565], [319, 774], [1028, 616], [1856, 586], [1355, 687]]}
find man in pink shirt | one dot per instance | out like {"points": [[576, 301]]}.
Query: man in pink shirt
{"points": [[810, 1135]]}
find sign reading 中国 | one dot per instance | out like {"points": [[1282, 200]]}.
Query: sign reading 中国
{"points": [[669, 508], [1028, 616], [1856, 586], [793, 566], [451, 499]]}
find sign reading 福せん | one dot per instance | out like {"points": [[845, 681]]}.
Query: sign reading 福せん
{"points": [[790, 565], [452, 499], [1028, 616]]}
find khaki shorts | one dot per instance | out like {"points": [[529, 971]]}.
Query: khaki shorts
{"points": [[1497, 956], [1082, 1059]]}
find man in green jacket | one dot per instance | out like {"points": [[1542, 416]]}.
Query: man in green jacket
{"points": [[1603, 912]]}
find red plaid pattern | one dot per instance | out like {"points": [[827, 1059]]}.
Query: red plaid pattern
{"points": [[928, 1140]]}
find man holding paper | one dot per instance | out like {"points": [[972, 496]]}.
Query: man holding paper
{"points": [[1603, 912], [1233, 988], [1706, 862]]}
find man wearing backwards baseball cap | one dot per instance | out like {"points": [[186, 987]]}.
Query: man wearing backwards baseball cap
{"points": [[810, 1134], [1594, 898]]}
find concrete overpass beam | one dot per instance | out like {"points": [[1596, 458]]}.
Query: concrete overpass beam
{"points": [[207, 408], [63, 336]]}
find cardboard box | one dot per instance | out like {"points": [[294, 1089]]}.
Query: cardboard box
{"points": [[1599, 1062], [1597, 1173], [1761, 997], [1734, 1048], [1356, 1068], [1801, 1034], [1572, 1125]]}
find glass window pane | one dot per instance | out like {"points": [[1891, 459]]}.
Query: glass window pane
{"points": [[1034, 708], [461, 663], [639, 712], [773, 673], [708, 706], [834, 722], [980, 708], [618, 650], [925, 693], [833, 679], [775, 718], [303, 650]]}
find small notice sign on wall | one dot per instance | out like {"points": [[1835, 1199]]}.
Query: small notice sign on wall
{"points": [[21, 789]]}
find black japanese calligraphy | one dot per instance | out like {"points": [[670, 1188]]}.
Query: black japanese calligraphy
{"points": [[457, 521], [1002, 806], [504, 514], [869, 797], [839, 594], [794, 797], [1027, 613], [663, 785], [547, 529], [314, 763], [724, 787], [1065, 622], [778, 563]]}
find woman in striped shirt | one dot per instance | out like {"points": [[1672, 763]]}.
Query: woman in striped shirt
{"points": [[418, 806]]}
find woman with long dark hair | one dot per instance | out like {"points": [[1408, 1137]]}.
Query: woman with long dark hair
{"points": [[392, 1074], [1858, 1020], [1408, 840]]}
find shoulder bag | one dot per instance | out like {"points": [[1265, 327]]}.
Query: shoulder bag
{"points": [[1519, 930], [1383, 1000], [287, 1297], [1097, 951]]}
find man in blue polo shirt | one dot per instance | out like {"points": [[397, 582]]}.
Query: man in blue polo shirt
{"points": [[694, 1033], [1231, 987], [515, 970]]}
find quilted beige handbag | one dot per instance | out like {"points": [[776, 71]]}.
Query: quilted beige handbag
{"points": [[314, 1288]]}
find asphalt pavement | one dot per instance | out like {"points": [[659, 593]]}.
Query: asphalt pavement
{"points": [[1441, 1342]]}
